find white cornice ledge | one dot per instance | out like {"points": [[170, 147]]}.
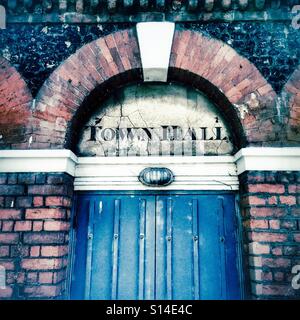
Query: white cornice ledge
{"points": [[247, 159], [267, 159], [38, 161]]}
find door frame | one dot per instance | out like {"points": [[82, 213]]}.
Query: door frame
{"points": [[241, 257], [191, 173]]}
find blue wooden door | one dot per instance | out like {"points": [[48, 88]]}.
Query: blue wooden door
{"points": [[150, 246]]}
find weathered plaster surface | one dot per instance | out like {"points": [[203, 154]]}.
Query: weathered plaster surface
{"points": [[155, 107]]}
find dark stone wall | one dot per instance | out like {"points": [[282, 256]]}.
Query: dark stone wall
{"points": [[36, 50]]}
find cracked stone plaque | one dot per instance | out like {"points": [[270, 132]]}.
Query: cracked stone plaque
{"points": [[155, 120]]}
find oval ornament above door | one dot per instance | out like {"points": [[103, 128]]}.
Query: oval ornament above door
{"points": [[156, 177]]}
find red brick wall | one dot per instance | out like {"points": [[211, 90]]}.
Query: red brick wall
{"points": [[15, 104], [34, 233], [270, 208]]}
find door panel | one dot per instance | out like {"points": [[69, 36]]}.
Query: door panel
{"points": [[174, 248], [211, 249], [122, 258], [103, 239], [156, 247]]}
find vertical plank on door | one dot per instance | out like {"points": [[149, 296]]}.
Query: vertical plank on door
{"points": [[115, 252], [142, 207], [128, 265], [195, 248], [232, 250], [101, 284], [89, 249], [150, 230], [79, 267], [182, 248], [223, 289], [209, 253], [169, 250], [160, 248]]}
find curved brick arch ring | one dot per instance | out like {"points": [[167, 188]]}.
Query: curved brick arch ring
{"points": [[15, 108], [97, 69], [85, 77], [291, 94], [246, 99]]}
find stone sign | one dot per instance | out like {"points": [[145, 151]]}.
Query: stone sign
{"points": [[155, 120]]}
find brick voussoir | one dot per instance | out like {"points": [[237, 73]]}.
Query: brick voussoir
{"points": [[104, 50]]}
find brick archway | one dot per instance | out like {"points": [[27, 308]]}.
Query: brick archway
{"points": [[15, 106], [291, 94], [96, 67], [36, 206], [230, 80], [246, 99]]}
